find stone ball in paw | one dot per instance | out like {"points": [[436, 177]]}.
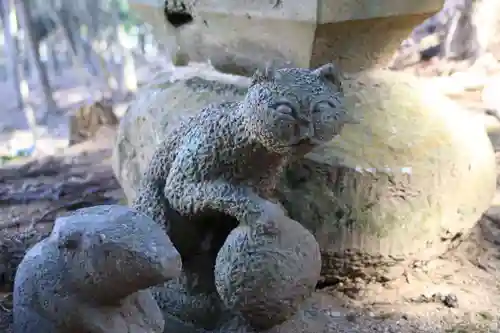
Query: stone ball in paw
{"points": [[265, 274]]}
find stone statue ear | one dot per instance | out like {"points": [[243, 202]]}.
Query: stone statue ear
{"points": [[267, 74], [331, 73]]}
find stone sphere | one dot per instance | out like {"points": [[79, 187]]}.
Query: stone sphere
{"points": [[265, 275]]}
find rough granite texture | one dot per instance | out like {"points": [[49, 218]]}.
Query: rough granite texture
{"points": [[229, 157], [267, 275], [403, 185], [89, 275], [218, 169]]}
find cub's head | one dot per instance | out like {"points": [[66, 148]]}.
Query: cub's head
{"points": [[292, 110]]}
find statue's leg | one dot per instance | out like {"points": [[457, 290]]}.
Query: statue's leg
{"points": [[191, 301], [240, 202]]}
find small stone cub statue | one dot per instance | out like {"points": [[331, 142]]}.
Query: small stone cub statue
{"points": [[92, 273]]}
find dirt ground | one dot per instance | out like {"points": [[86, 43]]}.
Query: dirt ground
{"points": [[456, 293]]}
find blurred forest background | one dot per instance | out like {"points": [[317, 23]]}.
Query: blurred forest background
{"points": [[59, 55]]}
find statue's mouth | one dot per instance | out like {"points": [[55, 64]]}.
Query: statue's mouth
{"points": [[305, 143]]}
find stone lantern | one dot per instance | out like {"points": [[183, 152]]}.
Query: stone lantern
{"points": [[239, 35]]}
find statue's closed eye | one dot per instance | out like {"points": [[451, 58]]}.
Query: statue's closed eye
{"points": [[286, 108], [325, 105]]}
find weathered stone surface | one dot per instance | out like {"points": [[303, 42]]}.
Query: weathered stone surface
{"points": [[354, 34], [86, 276], [267, 274], [405, 183]]}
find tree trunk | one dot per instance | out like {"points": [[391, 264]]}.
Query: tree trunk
{"points": [[142, 39], [53, 56], [127, 77], [18, 69], [63, 14], [24, 15], [10, 33], [90, 19], [115, 45], [62, 17], [68, 24]]}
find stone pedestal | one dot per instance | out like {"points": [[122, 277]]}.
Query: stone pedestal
{"points": [[237, 36]]}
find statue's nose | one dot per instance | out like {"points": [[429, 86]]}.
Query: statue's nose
{"points": [[307, 130]]}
